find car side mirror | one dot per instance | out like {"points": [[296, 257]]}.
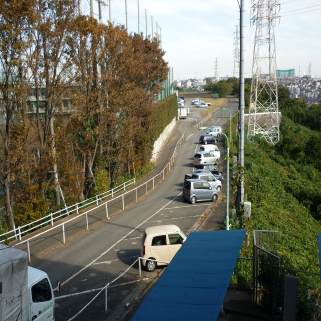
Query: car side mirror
{"points": [[210, 187]]}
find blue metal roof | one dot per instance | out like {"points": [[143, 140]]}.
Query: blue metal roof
{"points": [[319, 236], [193, 286]]}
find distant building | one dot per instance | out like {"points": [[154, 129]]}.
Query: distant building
{"points": [[285, 73]]}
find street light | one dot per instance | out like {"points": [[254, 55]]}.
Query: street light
{"points": [[230, 123], [228, 181]]}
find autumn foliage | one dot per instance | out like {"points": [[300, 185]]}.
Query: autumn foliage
{"points": [[77, 99]]}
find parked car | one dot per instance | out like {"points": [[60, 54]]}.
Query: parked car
{"points": [[182, 98], [198, 190], [211, 148], [161, 243], [212, 133], [207, 139], [195, 101], [206, 176], [202, 105], [204, 157], [210, 167], [221, 178], [181, 102], [217, 129]]}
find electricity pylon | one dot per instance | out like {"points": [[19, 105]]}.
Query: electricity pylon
{"points": [[263, 112], [236, 70], [216, 70]]}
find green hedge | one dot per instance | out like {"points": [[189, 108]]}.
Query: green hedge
{"points": [[165, 111]]}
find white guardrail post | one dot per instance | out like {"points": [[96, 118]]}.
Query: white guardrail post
{"points": [[136, 194], [29, 257], [106, 298], [96, 200], [123, 201], [140, 268], [63, 234], [106, 209], [19, 229], [52, 223], [124, 187], [87, 220]]}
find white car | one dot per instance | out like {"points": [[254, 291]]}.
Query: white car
{"points": [[181, 103], [195, 101], [161, 243], [213, 133], [202, 105]]}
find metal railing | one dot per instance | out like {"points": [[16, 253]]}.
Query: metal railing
{"points": [[150, 183], [50, 218]]}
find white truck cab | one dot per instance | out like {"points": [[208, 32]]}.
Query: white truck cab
{"points": [[41, 296]]}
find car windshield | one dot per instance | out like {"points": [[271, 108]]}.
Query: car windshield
{"points": [[183, 234]]}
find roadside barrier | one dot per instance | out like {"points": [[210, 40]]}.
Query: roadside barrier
{"points": [[146, 187], [50, 218], [105, 288]]}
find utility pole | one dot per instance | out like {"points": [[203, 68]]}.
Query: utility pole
{"points": [[263, 113], [110, 11], [138, 16], [309, 70], [216, 70], [160, 38], [236, 70], [152, 28], [146, 21], [157, 31], [126, 15], [241, 108], [92, 8]]}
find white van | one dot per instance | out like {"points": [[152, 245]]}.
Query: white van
{"points": [[211, 148], [41, 296]]}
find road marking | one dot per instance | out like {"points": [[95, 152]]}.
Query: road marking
{"points": [[171, 208], [93, 290], [175, 218], [102, 254], [190, 135], [110, 261]]}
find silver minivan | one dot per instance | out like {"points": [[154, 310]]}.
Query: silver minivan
{"points": [[198, 190], [206, 176], [205, 157]]}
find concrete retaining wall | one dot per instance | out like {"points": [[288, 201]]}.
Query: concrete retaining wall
{"points": [[158, 145]]}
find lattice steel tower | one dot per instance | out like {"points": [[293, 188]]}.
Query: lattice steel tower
{"points": [[236, 70], [216, 70], [263, 113]]}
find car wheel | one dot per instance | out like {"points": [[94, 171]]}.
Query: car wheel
{"points": [[214, 198], [193, 200], [218, 188], [151, 265]]}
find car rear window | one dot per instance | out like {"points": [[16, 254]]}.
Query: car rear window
{"points": [[187, 185], [198, 155], [159, 240], [194, 176]]}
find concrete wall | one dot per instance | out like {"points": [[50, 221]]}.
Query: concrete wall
{"points": [[158, 145]]}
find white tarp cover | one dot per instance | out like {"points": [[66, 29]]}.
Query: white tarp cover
{"points": [[14, 287]]}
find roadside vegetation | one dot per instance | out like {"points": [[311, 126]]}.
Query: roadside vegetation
{"points": [[283, 184], [78, 101]]}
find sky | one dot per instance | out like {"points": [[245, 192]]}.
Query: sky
{"points": [[196, 33]]}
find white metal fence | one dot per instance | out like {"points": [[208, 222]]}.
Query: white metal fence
{"points": [[145, 187], [50, 218]]}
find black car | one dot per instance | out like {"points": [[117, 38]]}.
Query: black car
{"points": [[207, 139], [212, 168]]}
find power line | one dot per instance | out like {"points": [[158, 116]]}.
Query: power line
{"points": [[93, 170], [318, 5], [299, 12]]}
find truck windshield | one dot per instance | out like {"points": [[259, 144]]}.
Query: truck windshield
{"points": [[41, 292]]}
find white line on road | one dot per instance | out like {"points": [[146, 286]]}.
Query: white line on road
{"points": [[102, 254], [171, 208], [190, 135], [123, 258], [93, 290], [174, 218]]}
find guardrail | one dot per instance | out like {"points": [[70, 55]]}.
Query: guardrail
{"points": [[105, 288], [50, 218], [160, 176]]}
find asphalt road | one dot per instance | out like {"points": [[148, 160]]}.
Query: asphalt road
{"points": [[90, 260]]}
